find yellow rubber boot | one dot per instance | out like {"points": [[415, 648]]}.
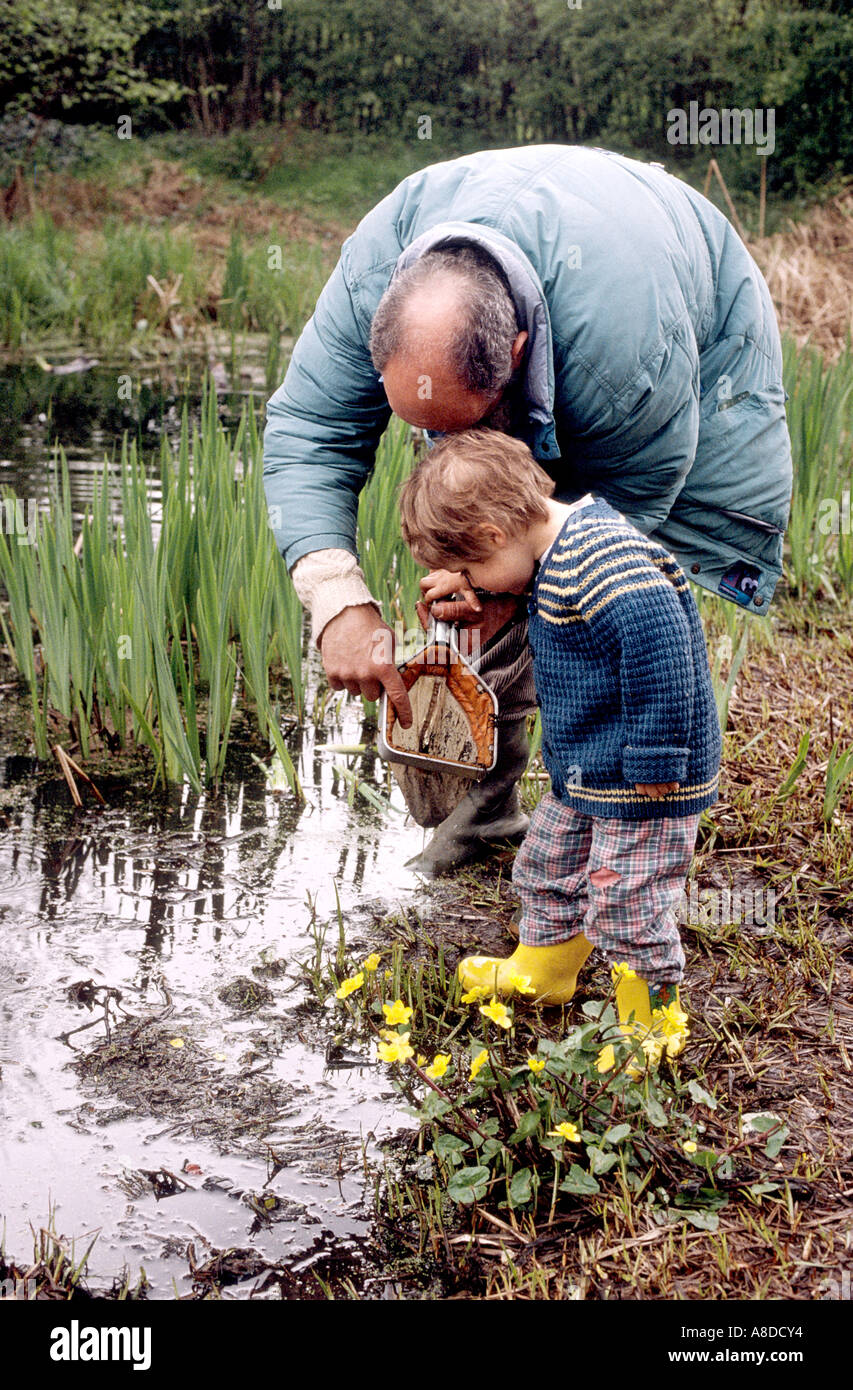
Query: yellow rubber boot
{"points": [[654, 1016], [541, 974]]}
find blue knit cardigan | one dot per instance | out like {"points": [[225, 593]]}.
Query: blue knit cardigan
{"points": [[621, 672]]}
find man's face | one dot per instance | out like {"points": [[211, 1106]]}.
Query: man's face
{"points": [[433, 400], [422, 391]]}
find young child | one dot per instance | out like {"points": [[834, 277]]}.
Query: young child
{"points": [[630, 733]]}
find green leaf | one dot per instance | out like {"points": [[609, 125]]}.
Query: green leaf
{"points": [[700, 1095], [615, 1134], [521, 1187], [468, 1185], [599, 1161], [760, 1122], [593, 1009], [527, 1125], [706, 1158], [707, 1198], [655, 1111], [449, 1146], [796, 767], [775, 1142], [488, 1127], [705, 1220], [434, 1106], [583, 1036], [579, 1182]]}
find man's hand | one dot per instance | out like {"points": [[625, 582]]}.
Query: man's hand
{"points": [[655, 789], [357, 648]]}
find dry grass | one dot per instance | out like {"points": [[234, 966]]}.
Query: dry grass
{"points": [[160, 191], [809, 269]]}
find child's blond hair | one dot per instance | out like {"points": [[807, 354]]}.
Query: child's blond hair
{"points": [[464, 482]]}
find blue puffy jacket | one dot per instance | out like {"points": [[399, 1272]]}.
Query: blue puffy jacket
{"points": [[653, 374]]}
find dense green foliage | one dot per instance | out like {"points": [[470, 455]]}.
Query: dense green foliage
{"points": [[594, 71]]}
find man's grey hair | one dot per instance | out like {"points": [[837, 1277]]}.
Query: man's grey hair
{"points": [[480, 344]]}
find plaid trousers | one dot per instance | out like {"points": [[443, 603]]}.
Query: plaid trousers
{"points": [[617, 881]]}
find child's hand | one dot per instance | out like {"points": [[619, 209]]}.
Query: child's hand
{"points": [[655, 789], [439, 584]]}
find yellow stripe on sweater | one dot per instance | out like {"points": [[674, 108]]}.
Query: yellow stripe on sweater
{"points": [[578, 535], [581, 601], [581, 540], [625, 793], [656, 556], [582, 595], [596, 608], [587, 541]]}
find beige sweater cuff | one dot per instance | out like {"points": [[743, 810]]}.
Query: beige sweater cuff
{"points": [[327, 582]]}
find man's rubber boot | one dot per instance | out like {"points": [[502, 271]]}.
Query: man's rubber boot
{"points": [[541, 974], [652, 1014], [490, 811]]}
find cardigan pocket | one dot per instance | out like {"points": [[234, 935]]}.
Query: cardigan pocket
{"points": [[654, 765]]}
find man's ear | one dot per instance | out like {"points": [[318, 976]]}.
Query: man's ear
{"points": [[519, 348]]}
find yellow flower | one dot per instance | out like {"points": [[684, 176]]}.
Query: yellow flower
{"points": [[372, 962], [420, 1059], [606, 1060], [536, 1064], [478, 1063], [350, 986], [652, 1048], [440, 1063], [398, 1012], [670, 1024], [388, 974], [671, 1021], [622, 971], [397, 1048], [566, 1131], [689, 1147], [474, 995], [498, 1013], [522, 983], [176, 1042]]}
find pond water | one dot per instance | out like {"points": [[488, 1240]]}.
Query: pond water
{"points": [[171, 899], [85, 413]]}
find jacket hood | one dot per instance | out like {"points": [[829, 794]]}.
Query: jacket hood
{"points": [[533, 317]]}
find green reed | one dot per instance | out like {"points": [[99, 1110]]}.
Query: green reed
{"points": [[153, 639], [820, 421], [391, 573]]}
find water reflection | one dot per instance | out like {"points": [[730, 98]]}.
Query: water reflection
{"points": [[170, 896], [88, 414]]}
